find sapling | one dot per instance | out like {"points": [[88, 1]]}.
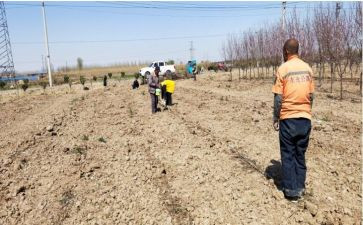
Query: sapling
{"points": [[25, 85], [43, 84], [82, 80], [67, 81]]}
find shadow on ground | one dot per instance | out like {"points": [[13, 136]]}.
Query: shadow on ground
{"points": [[274, 172]]}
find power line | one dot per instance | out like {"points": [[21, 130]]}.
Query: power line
{"points": [[124, 40]]}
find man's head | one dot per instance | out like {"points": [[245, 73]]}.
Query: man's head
{"points": [[157, 70], [291, 47]]}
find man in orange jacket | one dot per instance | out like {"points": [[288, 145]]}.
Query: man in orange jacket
{"points": [[293, 98]]}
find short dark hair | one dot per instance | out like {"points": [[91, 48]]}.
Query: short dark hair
{"points": [[292, 46]]}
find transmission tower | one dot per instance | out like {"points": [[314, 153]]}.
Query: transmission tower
{"points": [[6, 56]]}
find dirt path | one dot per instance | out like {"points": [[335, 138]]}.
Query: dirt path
{"points": [[100, 157]]}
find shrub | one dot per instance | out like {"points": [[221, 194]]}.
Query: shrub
{"points": [[66, 79], [94, 78], [101, 139], [2, 84], [82, 80], [136, 75], [109, 75], [122, 75], [170, 62], [26, 81], [43, 84], [24, 86]]}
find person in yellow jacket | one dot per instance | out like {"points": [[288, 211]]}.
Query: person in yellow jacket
{"points": [[169, 89]]}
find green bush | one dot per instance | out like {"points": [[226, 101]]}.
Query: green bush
{"points": [[123, 75], [82, 80], [66, 79], [109, 75], [94, 78]]}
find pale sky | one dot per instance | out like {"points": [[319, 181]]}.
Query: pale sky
{"points": [[105, 33]]}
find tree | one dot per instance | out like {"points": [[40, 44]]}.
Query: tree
{"points": [[79, 63], [170, 62]]}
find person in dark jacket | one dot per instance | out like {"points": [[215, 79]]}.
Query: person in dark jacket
{"points": [[154, 88], [135, 84]]}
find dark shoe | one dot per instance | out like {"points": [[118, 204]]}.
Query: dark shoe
{"points": [[293, 199]]}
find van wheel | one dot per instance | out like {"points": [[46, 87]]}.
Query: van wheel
{"points": [[147, 73], [168, 72]]}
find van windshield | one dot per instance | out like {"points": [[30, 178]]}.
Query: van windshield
{"points": [[151, 65]]}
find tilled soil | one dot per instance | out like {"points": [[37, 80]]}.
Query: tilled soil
{"points": [[100, 157]]}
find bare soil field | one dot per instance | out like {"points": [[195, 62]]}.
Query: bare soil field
{"points": [[100, 157]]}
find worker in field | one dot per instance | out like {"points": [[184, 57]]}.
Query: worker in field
{"points": [[135, 84], [154, 89], [169, 85], [293, 99]]}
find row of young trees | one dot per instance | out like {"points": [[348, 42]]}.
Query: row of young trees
{"points": [[330, 38]]}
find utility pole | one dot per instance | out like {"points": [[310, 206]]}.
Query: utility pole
{"points": [[47, 45], [191, 50], [283, 17], [283, 13], [337, 10]]}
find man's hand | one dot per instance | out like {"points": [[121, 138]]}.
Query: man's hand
{"points": [[276, 125]]}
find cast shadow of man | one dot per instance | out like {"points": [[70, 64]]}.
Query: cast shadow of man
{"points": [[274, 172]]}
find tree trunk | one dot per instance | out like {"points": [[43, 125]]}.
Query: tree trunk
{"points": [[331, 77], [341, 86], [250, 73], [323, 77], [360, 84], [239, 73], [320, 74]]}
